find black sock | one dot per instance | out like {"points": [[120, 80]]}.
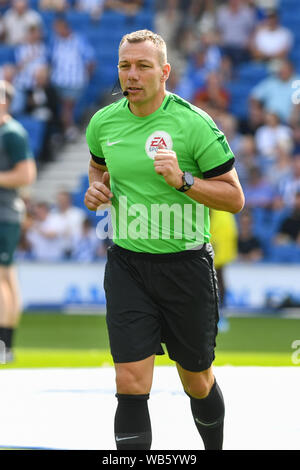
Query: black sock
{"points": [[208, 414], [132, 423], [6, 335]]}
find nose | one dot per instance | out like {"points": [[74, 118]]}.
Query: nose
{"points": [[133, 73]]}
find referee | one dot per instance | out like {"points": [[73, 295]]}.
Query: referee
{"points": [[161, 163]]}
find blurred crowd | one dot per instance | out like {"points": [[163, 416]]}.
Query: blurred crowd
{"points": [[59, 232], [208, 42], [51, 67]]}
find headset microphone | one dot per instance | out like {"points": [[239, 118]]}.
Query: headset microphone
{"points": [[125, 93]]}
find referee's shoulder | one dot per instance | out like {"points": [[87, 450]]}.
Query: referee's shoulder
{"points": [[188, 110]]}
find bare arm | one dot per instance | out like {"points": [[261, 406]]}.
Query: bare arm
{"points": [[223, 193], [22, 174], [99, 190]]}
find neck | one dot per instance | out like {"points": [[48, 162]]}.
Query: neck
{"points": [[149, 107]]}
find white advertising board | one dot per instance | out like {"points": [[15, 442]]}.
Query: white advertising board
{"points": [[79, 286]]}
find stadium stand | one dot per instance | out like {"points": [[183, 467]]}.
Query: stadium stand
{"points": [[104, 35]]}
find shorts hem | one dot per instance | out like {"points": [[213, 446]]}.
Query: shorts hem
{"points": [[136, 359], [194, 368]]}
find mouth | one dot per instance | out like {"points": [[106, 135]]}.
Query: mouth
{"points": [[133, 89]]}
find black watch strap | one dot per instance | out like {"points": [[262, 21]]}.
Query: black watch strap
{"points": [[188, 181]]}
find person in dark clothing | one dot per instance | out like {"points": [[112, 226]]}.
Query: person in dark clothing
{"points": [[42, 103], [249, 246], [289, 230]]}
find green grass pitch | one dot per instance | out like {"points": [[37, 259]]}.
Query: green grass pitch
{"points": [[56, 340]]}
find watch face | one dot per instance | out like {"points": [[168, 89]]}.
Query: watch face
{"points": [[189, 179]]}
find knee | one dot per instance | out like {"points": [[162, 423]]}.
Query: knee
{"points": [[199, 388], [132, 382]]}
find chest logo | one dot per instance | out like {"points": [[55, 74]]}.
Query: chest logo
{"points": [[158, 138], [109, 144]]}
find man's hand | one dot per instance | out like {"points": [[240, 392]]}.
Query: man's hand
{"points": [[166, 164], [98, 193]]}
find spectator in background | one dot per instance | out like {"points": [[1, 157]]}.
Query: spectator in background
{"points": [[8, 73], [42, 103], [249, 246], [203, 61], [296, 137], [275, 92], [70, 218], [46, 235], [279, 171], [289, 230], [207, 21], [17, 20], [128, 7], [229, 125], [247, 158], [272, 133], [271, 40], [28, 57], [236, 22], [86, 246], [288, 188], [213, 97], [258, 191], [72, 62], [167, 21], [254, 119], [94, 8], [54, 5]]}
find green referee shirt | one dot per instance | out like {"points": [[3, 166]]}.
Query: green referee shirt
{"points": [[147, 214]]}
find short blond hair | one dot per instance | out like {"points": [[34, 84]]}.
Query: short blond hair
{"points": [[143, 35]]}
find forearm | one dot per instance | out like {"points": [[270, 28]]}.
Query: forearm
{"points": [[95, 174], [219, 195], [15, 179]]}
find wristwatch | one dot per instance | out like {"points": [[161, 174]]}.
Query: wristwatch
{"points": [[188, 181]]}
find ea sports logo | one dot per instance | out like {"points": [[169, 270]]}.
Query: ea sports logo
{"points": [[158, 138]]}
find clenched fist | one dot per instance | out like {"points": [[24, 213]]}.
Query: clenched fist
{"points": [[166, 164], [98, 193]]}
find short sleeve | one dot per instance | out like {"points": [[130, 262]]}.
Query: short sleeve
{"points": [[17, 146], [93, 142], [215, 157]]}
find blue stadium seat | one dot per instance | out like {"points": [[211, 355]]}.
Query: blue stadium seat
{"points": [[284, 253], [79, 21], [252, 72], [36, 132], [239, 92], [7, 54]]}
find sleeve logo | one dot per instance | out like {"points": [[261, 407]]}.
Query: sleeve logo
{"points": [[157, 139]]}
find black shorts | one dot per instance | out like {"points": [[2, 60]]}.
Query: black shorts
{"points": [[162, 298]]}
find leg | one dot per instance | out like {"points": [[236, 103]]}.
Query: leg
{"points": [[10, 299], [10, 307], [5, 298], [132, 421], [207, 405]]}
